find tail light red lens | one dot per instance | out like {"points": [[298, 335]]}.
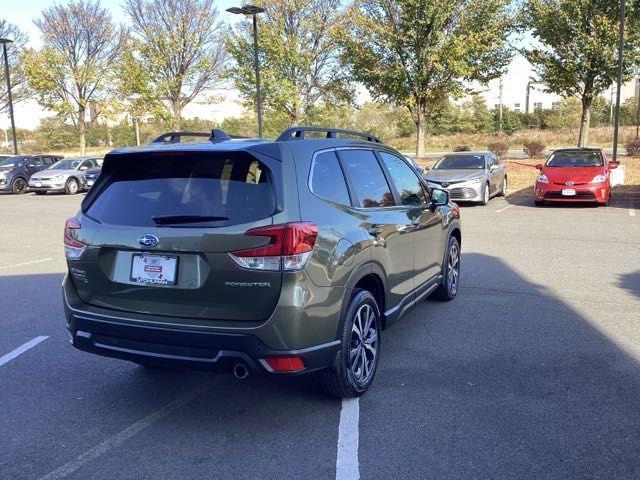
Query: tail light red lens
{"points": [[289, 247], [285, 364], [73, 248]]}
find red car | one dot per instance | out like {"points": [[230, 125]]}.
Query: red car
{"points": [[575, 175]]}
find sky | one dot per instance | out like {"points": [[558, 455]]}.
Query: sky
{"points": [[29, 113]]}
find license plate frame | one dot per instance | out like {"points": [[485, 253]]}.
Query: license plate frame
{"points": [[165, 266], [568, 192]]}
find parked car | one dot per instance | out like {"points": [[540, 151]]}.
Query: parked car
{"points": [[91, 175], [415, 164], [281, 257], [15, 170], [469, 176], [64, 176], [575, 175]]}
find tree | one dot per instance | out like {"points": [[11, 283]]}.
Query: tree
{"points": [[417, 53], [299, 57], [72, 72], [19, 90], [178, 48], [565, 115], [578, 40]]}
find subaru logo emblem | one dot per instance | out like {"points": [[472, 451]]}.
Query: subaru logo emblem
{"points": [[568, 183], [148, 240]]}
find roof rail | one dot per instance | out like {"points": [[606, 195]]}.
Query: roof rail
{"points": [[297, 133], [216, 135]]}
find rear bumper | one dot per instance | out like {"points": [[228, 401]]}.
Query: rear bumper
{"points": [[115, 335]]}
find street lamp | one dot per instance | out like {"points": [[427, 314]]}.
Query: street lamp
{"points": [[4, 42], [253, 10], [619, 80]]}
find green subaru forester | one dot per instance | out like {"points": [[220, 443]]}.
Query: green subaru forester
{"points": [[282, 257]]}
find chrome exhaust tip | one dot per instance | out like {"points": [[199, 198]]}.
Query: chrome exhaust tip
{"points": [[240, 371]]}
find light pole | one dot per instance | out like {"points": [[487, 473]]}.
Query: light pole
{"points": [[4, 42], [620, 70], [253, 10]]}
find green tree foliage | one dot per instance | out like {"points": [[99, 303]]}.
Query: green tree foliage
{"points": [[54, 134], [566, 115], [299, 63], [19, 90], [417, 53], [177, 52], [577, 53], [73, 70]]}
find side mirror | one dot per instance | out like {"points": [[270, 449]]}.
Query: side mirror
{"points": [[613, 165], [539, 166], [82, 169], [439, 197]]}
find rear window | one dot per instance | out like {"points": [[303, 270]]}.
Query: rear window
{"points": [[195, 189], [327, 180], [365, 176]]}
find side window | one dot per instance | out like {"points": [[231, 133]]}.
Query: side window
{"points": [[84, 165], [47, 161], [35, 162], [327, 180], [366, 178], [407, 184], [494, 160]]}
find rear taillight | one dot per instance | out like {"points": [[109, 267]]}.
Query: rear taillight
{"points": [[289, 248], [73, 247]]}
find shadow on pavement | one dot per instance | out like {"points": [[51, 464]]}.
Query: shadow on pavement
{"points": [[630, 282], [507, 381], [628, 198]]}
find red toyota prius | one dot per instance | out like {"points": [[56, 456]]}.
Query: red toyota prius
{"points": [[575, 175]]}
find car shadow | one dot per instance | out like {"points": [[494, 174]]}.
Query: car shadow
{"points": [[630, 282], [628, 198], [506, 381]]}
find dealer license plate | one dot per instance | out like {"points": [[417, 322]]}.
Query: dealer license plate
{"points": [[154, 269]]}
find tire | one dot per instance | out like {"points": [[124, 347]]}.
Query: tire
{"points": [[351, 378], [539, 203], [486, 195], [19, 186], [503, 191], [72, 186], [448, 289]]}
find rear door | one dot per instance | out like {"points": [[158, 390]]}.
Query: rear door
{"points": [[426, 223], [388, 224], [179, 215], [496, 173], [33, 165]]}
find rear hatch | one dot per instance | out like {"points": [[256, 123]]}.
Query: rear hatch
{"points": [[160, 226]]}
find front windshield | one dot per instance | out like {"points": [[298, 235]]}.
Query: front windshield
{"points": [[449, 162], [11, 161], [575, 159], [67, 164]]}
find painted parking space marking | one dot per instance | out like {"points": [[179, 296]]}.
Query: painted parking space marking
{"points": [[504, 208], [125, 434], [347, 465], [33, 262], [632, 211], [21, 349]]}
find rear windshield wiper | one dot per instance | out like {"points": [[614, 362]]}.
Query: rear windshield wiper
{"points": [[171, 219]]}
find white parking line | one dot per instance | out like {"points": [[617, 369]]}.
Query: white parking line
{"points": [[347, 465], [21, 349], [123, 435], [504, 208], [15, 265], [632, 211]]}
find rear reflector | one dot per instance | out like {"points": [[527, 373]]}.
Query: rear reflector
{"points": [[285, 364], [289, 247]]}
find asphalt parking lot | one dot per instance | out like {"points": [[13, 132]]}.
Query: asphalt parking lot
{"points": [[532, 372]]}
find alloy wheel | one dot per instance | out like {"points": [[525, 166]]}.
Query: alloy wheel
{"points": [[19, 186], [72, 186], [364, 344], [453, 268]]}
